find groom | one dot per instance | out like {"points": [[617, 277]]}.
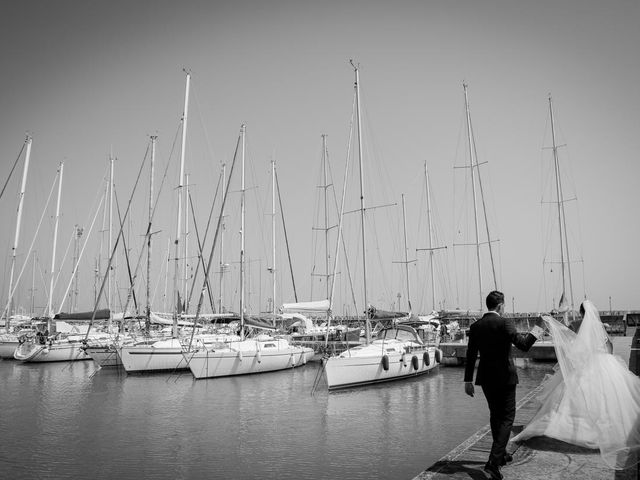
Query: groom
{"points": [[492, 336]]}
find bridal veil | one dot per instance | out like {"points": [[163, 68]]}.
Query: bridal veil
{"points": [[592, 400]]}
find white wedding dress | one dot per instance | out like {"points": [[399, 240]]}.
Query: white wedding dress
{"points": [[592, 400]]}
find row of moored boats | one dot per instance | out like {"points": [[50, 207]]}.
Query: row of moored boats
{"points": [[406, 347]]}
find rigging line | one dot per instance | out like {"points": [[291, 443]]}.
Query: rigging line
{"points": [[202, 124], [215, 236], [64, 257], [113, 252], [340, 210], [161, 276], [132, 278], [99, 198], [200, 255], [286, 239], [162, 182], [255, 189], [204, 239], [385, 278], [340, 238], [33, 240], [86, 240], [484, 207], [166, 169], [14, 166]]}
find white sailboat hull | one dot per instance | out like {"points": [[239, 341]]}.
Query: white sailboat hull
{"points": [[104, 352], [162, 356], [104, 356], [355, 368], [166, 354], [247, 357], [8, 345], [62, 351]]}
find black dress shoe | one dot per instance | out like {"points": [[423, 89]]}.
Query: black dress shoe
{"points": [[506, 459], [493, 471]]}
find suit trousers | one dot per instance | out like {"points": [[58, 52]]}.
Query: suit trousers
{"points": [[502, 412]]}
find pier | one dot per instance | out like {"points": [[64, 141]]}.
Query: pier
{"points": [[540, 457]]}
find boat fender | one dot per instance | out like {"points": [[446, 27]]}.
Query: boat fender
{"points": [[303, 358], [385, 362], [292, 360], [240, 355], [415, 363], [403, 359], [259, 356], [438, 356], [426, 358]]}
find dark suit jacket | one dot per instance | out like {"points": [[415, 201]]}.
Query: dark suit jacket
{"points": [[491, 337]]}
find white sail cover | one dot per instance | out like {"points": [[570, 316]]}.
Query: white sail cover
{"points": [[156, 318], [316, 306]]}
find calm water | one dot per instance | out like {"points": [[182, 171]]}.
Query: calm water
{"points": [[73, 420]]}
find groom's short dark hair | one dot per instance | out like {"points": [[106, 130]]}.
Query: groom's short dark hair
{"points": [[494, 299]]}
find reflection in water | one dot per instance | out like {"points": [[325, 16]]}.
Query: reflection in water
{"points": [[71, 420]]}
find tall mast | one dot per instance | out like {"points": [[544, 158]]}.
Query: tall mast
{"points": [[430, 224], [326, 213], [179, 219], [326, 217], [28, 141], [33, 285], [406, 258], [564, 243], [73, 296], [242, 193], [55, 241], [185, 264], [110, 279], [154, 138], [362, 208], [325, 186], [472, 165], [273, 236], [224, 180]]}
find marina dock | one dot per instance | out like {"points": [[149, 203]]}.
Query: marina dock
{"points": [[454, 353], [541, 457]]}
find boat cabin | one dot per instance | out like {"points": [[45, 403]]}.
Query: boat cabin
{"points": [[403, 333]]}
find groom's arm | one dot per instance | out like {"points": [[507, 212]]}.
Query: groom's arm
{"points": [[523, 341]]}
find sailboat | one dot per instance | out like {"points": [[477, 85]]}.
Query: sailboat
{"points": [[164, 354], [399, 351], [9, 340], [258, 354], [49, 346]]}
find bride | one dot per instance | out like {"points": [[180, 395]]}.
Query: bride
{"points": [[592, 400]]}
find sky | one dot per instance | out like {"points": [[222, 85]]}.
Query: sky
{"points": [[95, 79]]}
